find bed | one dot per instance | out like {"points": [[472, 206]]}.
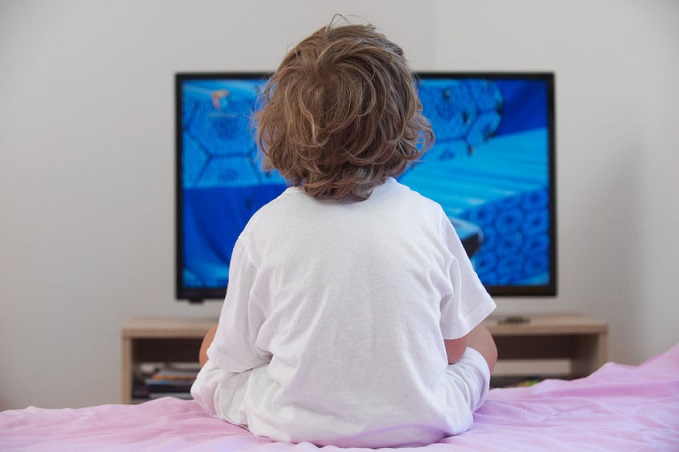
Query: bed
{"points": [[630, 408]]}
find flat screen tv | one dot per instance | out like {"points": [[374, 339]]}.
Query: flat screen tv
{"points": [[492, 169]]}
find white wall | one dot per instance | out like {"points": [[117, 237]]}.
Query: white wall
{"points": [[86, 159]]}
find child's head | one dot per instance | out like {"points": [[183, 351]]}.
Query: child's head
{"points": [[342, 113]]}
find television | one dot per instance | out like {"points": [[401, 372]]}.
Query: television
{"points": [[492, 169]]}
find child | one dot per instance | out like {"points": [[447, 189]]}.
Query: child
{"points": [[352, 314]]}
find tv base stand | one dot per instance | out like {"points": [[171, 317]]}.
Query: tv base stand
{"points": [[547, 345]]}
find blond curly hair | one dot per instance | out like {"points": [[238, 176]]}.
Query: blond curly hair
{"points": [[341, 113]]}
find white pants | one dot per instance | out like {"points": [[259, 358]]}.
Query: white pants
{"points": [[222, 394]]}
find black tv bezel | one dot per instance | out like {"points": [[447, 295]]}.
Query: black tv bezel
{"points": [[198, 295]]}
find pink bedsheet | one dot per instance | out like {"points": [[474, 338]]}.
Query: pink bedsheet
{"points": [[617, 408]]}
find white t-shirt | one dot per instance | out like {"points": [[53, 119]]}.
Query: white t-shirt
{"points": [[333, 324]]}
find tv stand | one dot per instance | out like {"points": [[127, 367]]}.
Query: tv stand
{"points": [[546, 345]]}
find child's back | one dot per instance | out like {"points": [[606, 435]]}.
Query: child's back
{"points": [[346, 302]]}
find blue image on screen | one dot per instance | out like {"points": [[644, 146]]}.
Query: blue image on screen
{"points": [[489, 170], [222, 180]]}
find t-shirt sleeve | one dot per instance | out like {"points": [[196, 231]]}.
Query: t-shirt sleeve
{"points": [[233, 348], [469, 303]]}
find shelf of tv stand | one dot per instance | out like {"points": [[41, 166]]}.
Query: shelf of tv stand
{"points": [[546, 345]]}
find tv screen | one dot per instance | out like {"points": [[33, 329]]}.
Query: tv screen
{"points": [[492, 169]]}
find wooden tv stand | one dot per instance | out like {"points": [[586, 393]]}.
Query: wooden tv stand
{"points": [[549, 345]]}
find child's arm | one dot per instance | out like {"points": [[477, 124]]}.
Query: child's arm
{"points": [[207, 340], [479, 339], [455, 349]]}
